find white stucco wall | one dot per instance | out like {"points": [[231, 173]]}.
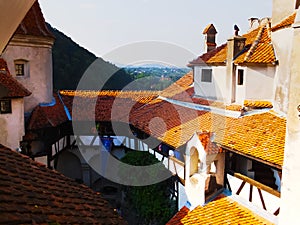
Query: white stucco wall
{"points": [[258, 84], [282, 9], [281, 40], [290, 190], [39, 81], [12, 125], [214, 90]]}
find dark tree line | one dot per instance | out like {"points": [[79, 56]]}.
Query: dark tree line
{"points": [[70, 62]]}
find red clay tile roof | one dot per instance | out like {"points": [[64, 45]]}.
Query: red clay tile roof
{"points": [[13, 88], [110, 105], [221, 211], [32, 194], [34, 23], [213, 54], [261, 50], [260, 136], [285, 23], [258, 49], [50, 116], [258, 104], [209, 147]]}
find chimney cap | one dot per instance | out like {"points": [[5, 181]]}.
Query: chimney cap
{"points": [[236, 30], [210, 29]]}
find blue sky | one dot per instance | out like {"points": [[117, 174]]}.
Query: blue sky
{"points": [[104, 25]]}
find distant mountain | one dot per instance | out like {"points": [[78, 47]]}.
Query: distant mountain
{"points": [[154, 77], [70, 61]]}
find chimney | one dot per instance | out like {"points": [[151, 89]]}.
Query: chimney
{"points": [[253, 23], [210, 37], [234, 46]]}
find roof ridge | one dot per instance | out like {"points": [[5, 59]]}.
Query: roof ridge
{"points": [[285, 22], [255, 43]]}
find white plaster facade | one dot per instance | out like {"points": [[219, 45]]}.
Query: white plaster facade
{"points": [[281, 40], [291, 167], [37, 52], [216, 89], [258, 84], [198, 171], [12, 124]]}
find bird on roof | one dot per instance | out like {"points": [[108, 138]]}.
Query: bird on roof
{"points": [[236, 30]]}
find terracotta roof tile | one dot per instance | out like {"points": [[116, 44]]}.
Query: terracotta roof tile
{"points": [[285, 23], [222, 210], [258, 49], [258, 104], [32, 194], [216, 56], [209, 147], [261, 136], [34, 23], [47, 116], [13, 88]]}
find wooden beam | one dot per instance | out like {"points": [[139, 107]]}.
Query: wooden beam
{"points": [[276, 213], [262, 199], [241, 187], [275, 166], [250, 193], [257, 184], [177, 161]]}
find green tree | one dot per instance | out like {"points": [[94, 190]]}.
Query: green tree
{"points": [[151, 203]]}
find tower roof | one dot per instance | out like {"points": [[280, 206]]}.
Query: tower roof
{"points": [[34, 23], [12, 88]]}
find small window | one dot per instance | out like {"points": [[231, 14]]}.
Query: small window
{"points": [[240, 80], [206, 75], [21, 67], [5, 106], [20, 70]]}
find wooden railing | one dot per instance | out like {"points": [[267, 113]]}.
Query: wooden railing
{"points": [[177, 167], [260, 188]]}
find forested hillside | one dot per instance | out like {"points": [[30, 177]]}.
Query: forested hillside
{"points": [[70, 61]]}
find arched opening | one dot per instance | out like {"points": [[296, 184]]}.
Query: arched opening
{"points": [[194, 161]]}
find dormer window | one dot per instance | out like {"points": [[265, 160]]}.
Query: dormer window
{"points": [[206, 75], [21, 68], [5, 106]]}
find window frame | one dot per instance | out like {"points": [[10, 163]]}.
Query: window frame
{"points": [[206, 75], [24, 70], [5, 106], [240, 77]]}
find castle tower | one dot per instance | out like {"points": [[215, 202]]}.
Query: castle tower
{"points": [[29, 57]]}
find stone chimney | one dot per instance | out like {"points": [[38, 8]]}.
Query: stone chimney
{"points": [[234, 46], [210, 38]]}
